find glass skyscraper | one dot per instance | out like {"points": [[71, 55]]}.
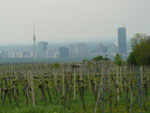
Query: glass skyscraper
{"points": [[42, 49], [122, 41]]}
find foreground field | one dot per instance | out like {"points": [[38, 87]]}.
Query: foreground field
{"points": [[74, 88], [76, 107]]}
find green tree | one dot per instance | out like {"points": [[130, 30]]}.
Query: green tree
{"points": [[98, 58], [118, 60], [55, 65], [131, 59], [106, 58], [140, 54], [137, 39], [85, 60]]}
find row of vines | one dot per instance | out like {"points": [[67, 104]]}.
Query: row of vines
{"points": [[109, 85]]}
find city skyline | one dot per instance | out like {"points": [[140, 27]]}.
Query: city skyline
{"points": [[72, 50]]}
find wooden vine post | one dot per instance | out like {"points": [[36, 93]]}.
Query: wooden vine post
{"points": [[74, 76], [32, 89], [110, 90], [63, 78], [117, 83], [141, 74], [104, 86], [82, 88]]}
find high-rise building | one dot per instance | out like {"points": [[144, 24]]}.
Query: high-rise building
{"points": [[82, 49], [73, 50], [112, 49], [102, 49], [63, 52], [19, 54], [51, 53], [42, 49], [78, 50], [122, 43]]}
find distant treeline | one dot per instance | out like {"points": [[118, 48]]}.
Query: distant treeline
{"points": [[39, 60]]}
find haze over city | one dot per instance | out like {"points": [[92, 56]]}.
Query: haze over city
{"points": [[74, 56], [71, 20]]}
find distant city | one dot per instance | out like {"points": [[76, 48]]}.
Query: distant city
{"points": [[41, 51]]}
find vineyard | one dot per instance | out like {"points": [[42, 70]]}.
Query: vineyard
{"points": [[95, 87]]}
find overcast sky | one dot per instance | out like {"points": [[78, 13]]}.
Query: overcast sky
{"points": [[71, 20]]}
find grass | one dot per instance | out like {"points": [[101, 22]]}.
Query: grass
{"points": [[76, 106]]}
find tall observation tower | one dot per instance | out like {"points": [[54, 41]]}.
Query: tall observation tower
{"points": [[34, 44]]}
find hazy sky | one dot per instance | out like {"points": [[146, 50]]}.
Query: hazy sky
{"points": [[71, 20]]}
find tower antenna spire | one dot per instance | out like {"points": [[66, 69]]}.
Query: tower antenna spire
{"points": [[34, 44], [124, 25], [33, 29]]}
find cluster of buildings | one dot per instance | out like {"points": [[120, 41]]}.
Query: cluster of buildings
{"points": [[112, 49], [76, 50], [16, 53]]}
